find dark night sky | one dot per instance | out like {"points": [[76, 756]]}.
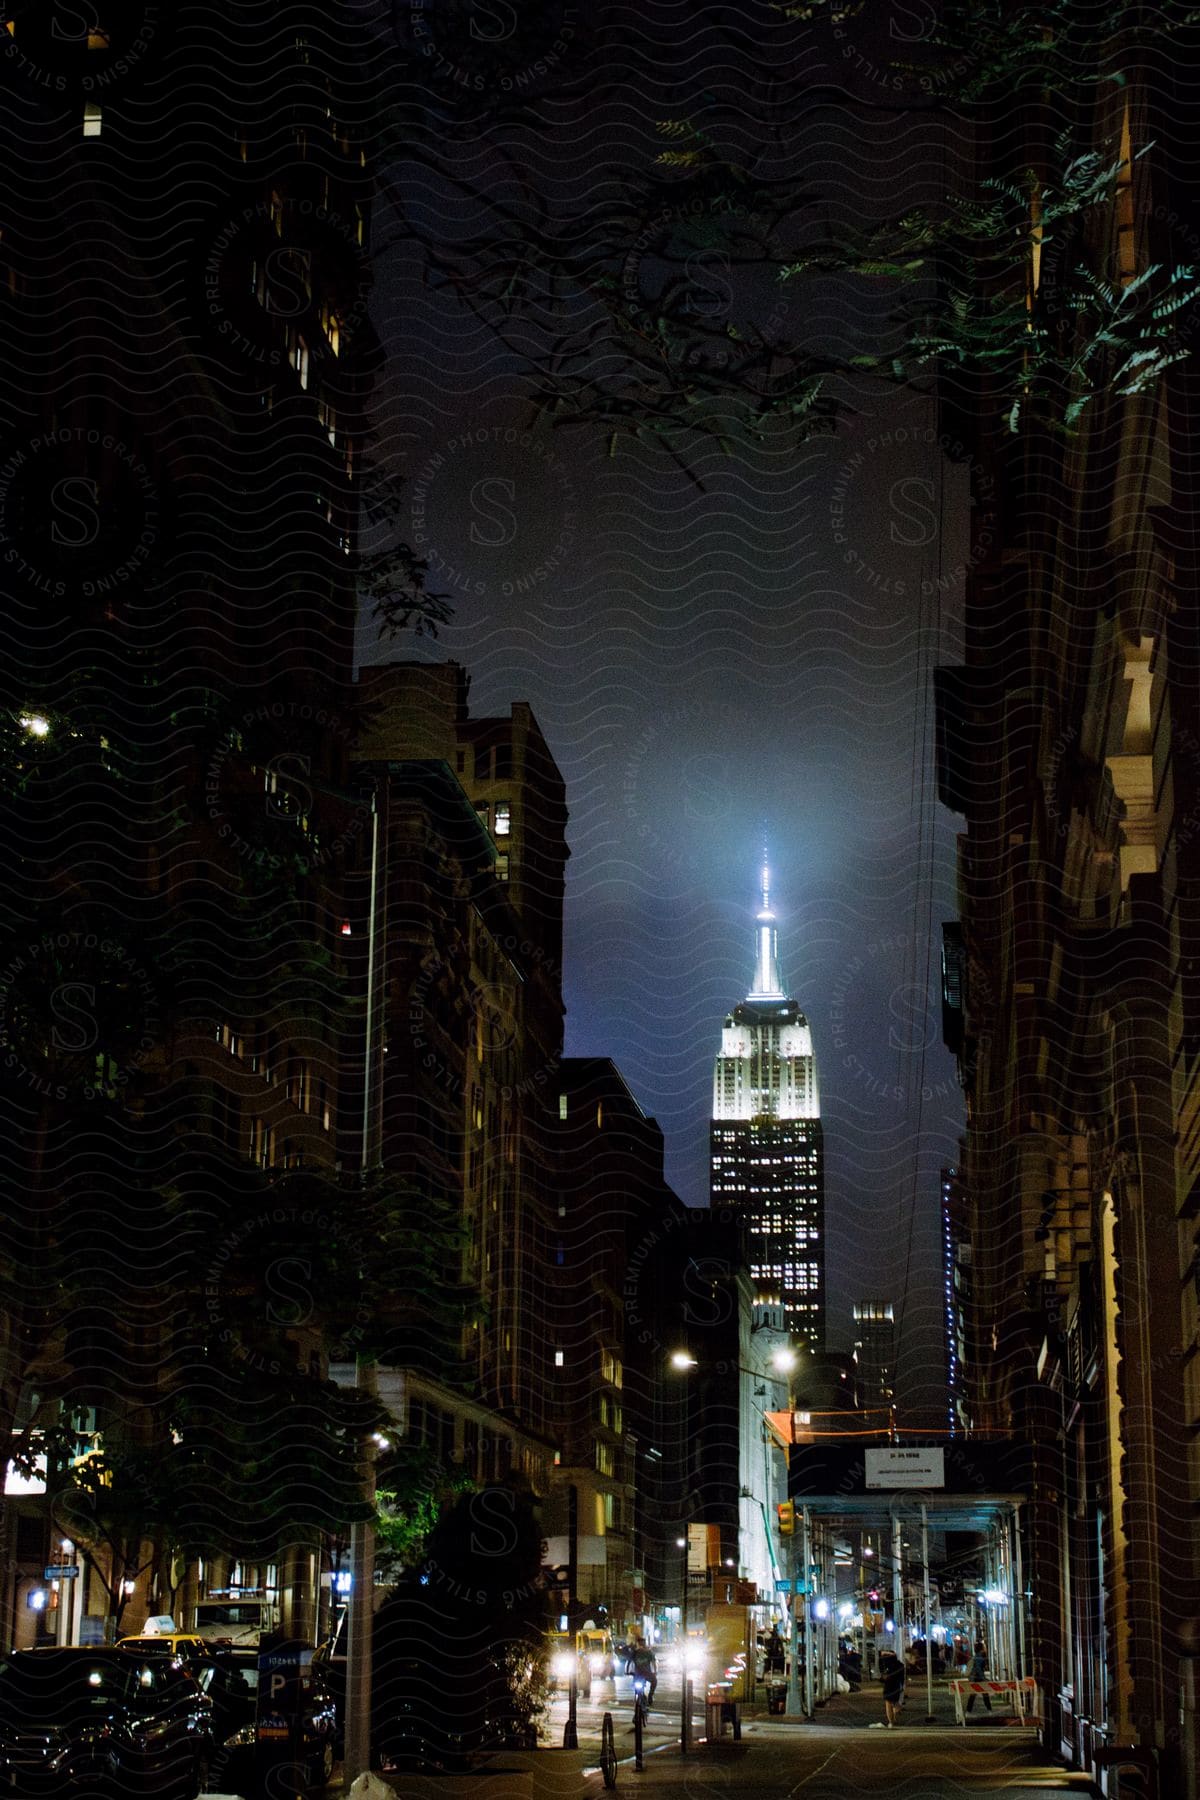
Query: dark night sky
{"points": [[712, 654]]}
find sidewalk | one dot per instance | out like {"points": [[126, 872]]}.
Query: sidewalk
{"points": [[850, 1712], [854, 1717]]}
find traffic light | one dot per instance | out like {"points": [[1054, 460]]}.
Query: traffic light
{"points": [[787, 1517]]}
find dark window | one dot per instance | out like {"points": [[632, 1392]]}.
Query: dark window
{"points": [[483, 764], [31, 1540], [503, 761]]}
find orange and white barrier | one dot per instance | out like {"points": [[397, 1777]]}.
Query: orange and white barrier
{"points": [[1023, 1697]]}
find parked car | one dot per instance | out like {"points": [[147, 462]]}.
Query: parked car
{"points": [[330, 1658], [72, 1720], [230, 1680]]}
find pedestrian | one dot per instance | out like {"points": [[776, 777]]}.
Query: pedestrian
{"points": [[892, 1670], [774, 1652], [976, 1672]]}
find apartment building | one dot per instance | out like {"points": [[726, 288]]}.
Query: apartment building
{"points": [[1067, 743]]}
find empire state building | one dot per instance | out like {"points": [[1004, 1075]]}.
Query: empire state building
{"points": [[767, 1152]]}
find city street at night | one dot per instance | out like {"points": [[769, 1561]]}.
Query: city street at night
{"points": [[600, 898]]}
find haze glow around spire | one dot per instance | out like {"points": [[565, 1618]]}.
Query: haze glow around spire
{"points": [[767, 983]]}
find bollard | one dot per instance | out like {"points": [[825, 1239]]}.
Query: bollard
{"points": [[638, 1727], [608, 1752]]}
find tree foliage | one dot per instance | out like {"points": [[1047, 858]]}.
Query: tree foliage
{"points": [[619, 345], [460, 1648]]}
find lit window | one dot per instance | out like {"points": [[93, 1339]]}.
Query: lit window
{"points": [[97, 39], [300, 361], [562, 1106], [262, 1144], [503, 819], [331, 325], [559, 1359], [92, 119]]}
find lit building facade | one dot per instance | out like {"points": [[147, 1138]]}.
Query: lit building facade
{"points": [[875, 1351], [766, 1144], [956, 1270]]}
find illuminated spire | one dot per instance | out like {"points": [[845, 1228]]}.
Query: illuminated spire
{"points": [[767, 985]]}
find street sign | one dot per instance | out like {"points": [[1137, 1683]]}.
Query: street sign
{"points": [[61, 1572], [896, 1467], [294, 1656], [788, 1587]]}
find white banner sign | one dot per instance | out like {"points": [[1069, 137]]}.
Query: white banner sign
{"points": [[898, 1468]]}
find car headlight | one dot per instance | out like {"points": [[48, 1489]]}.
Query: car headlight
{"points": [[241, 1740], [597, 1663], [563, 1664]]}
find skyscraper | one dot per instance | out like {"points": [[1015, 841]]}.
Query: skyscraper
{"points": [[875, 1351], [766, 1145]]}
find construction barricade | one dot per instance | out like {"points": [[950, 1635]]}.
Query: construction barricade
{"points": [[1021, 1697]]}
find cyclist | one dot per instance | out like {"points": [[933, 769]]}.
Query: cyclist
{"points": [[645, 1665]]}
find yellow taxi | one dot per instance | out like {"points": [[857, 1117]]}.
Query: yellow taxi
{"points": [[181, 1646]]}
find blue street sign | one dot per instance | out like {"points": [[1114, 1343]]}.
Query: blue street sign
{"points": [[62, 1572], [787, 1587]]}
